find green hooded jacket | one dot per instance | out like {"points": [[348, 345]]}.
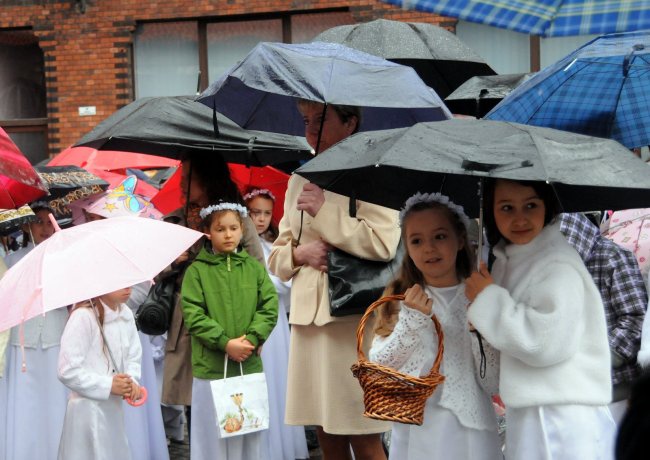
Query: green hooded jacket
{"points": [[225, 296]]}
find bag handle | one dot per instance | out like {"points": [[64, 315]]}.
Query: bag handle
{"points": [[362, 325], [225, 367]]}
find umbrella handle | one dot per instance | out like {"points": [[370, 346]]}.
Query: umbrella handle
{"points": [[138, 402], [54, 223]]}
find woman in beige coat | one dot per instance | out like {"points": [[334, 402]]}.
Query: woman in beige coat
{"points": [[321, 389]]}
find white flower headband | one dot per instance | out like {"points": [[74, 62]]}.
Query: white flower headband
{"points": [[205, 212], [259, 191], [434, 198]]}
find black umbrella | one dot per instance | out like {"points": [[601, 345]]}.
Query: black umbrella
{"points": [[173, 126], [451, 157], [478, 95], [439, 57]]}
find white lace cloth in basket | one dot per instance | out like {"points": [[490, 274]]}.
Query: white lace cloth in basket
{"points": [[413, 345]]}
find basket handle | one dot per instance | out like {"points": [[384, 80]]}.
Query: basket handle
{"points": [[389, 298]]}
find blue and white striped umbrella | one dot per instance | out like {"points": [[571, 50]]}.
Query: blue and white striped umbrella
{"points": [[602, 89], [548, 18]]}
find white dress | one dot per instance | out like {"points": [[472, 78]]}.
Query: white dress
{"points": [[144, 424], [32, 403], [286, 442], [94, 420], [459, 421]]}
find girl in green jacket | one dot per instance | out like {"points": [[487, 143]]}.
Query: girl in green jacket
{"points": [[230, 307]]}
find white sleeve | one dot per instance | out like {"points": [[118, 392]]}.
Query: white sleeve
{"points": [[75, 344], [540, 329], [403, 349]]}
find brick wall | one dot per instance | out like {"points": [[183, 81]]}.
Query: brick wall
{"points": [[87, 53]]}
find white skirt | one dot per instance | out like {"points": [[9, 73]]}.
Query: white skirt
{"points": [[32, 405], [565, 432], [144, 424], [441, 436], [94, 430], [285, 442], [205, 442]]}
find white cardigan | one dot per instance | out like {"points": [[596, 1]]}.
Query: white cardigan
{"points": [[548, 321], [412, 346]]}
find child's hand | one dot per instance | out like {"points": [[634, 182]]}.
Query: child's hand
{"points": [[121, 385], [259, 350], [239, 349], [477, 282], [417, 299], [134, 392]]}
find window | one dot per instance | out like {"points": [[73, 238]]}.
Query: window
{"points": [[23, 113], [171, 57]]}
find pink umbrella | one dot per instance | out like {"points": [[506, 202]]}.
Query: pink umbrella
{"points": [[630, 229], [87, 261], [119, 201]]}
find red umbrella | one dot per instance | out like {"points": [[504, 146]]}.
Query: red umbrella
{"points": [[108, 160], [19, 182], [170, 196], [266, 177]]}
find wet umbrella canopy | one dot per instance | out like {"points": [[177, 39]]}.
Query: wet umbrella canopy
{"points": [[452, 156], [261, 91], [478, 95], [173, 126], [439, 57]]}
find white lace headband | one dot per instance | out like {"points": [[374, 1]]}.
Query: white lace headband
{"points": [[257, 192], [434, 198], [205, 212]]}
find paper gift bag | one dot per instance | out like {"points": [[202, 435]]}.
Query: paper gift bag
{"points": [[241, 403]]}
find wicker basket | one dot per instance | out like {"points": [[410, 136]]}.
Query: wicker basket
{"points": [[391, 395]]}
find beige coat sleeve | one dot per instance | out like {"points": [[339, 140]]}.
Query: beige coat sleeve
{"points": [[373, 234]]}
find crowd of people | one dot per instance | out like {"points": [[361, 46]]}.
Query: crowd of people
{"points": [[551, 324]]}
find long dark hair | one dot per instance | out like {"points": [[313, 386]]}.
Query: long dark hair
{"points": [[543, 190], [409, 274], [212, 172]]}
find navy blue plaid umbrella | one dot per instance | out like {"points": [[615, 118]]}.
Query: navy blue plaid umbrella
{"points": [[601, 89], [548, 18]]}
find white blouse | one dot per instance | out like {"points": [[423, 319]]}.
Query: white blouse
{"points": [[413, 345]]}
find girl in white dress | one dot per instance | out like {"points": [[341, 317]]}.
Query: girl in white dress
{"points": [[286, 442], [459, 421], [32, 400], [541, 309], [100, 363]]}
